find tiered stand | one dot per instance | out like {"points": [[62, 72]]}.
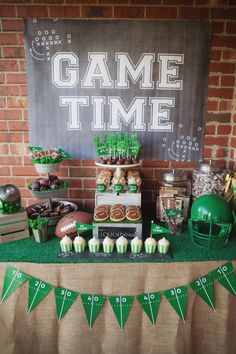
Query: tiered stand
{"points": [[115, 229]]}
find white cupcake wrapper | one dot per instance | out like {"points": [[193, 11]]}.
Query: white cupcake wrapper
{"points": [[79, 248], [108, 248], [136, 248], [94, 248], [163, 249], [66, 248], [121, 248], [150, 249]]}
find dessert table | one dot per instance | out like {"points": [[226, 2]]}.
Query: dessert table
{"points": [[205, 330]]}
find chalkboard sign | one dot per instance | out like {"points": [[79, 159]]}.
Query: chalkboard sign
{"points": [[144, 77], [116, 232]]}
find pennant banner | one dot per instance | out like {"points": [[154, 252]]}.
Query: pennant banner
{"points": [[204, 288], [157, 229], [150, 304], [36, 292], [92, 305], [83, 227], [121, 306], [226, 277], [12, 280], [64, 299], [177, 298]]}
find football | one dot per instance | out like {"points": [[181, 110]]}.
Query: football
{"points": [[66, 226]]}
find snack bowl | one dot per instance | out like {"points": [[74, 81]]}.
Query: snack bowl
{"points": [[47, 167]]}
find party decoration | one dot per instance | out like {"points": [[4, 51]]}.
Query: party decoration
{"points": [[226, 277], [203, 287], [92, 305], [121, 306], [64, 299], [150, 303], [177, 297], [39, 223], [12, 280], [157, 229], [83, 227], [48, 155], [37, 291]]}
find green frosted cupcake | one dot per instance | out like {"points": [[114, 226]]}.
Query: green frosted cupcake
{"points": [[150, 245], [163, 245], [94, 245], [121, 244], [136, 245], [79, 244], [108, 245], [66, 244]]}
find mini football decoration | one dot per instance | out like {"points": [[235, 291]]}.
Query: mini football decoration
{"points": [[67, 225]]}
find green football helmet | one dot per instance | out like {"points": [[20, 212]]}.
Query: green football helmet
{"points": [[211, 221]]}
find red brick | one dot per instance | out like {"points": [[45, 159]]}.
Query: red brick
{"points": [[27, 161], [6, 90], [227, 80], [193, 13], [3, 126], [74, 182], [31, 11], [12, 25], [234, 131], [218, 117], [88, 163], [113, 2], [96, 11], [4, 171], [20, 38], [71, 162], [23, 90], [178, 2], [11, 137], [147, 173], [225, 105], [10, 160], [207, 153], [213, 80], [76, 172], [128, 12], [89, 204], [24, 171], [212, 105], [8, 65], [224, 41], [221, 153], [64, 11], [63, 171], [2, 78], [231, 27], [225, 68], [224, 129], [13, 52], [16, 78], [19, 182], [89, 183], [26, 138], [210, 130], [4, 150], [161, 12], [18, 126], [2, 102], [215, 55], [145, 2], [160, 164], [220, 141], [51, 1], [220, 92], [223, 13], [218, 27], [82, 194], [229, 55], [25, 193], [17, 102], [8, 38], [210, 2], [7, 11], [16, 149], [233, 142], [185, 165], [10, 114]]}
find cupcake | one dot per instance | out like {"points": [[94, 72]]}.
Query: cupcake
{"points": [[108, 245], [150, 245], [163, 245], [66, 244], [79, 244], [136, 245], [94, 245], [121, 244]]}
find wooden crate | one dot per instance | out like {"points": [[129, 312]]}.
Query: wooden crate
{"points": [[111, 198], [116, 229], [13, 226]]}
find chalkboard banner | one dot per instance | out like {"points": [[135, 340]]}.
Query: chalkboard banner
{"points": [[151, 79]]}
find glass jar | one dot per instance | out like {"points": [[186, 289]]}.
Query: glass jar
{"points": [[208, 179]]}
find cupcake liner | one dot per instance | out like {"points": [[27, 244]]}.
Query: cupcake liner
{"points": [[163, 249], [108, 248], [79, 248], [66, 248], [150, 249], [136, 248], [121, 248], [94, 248]]}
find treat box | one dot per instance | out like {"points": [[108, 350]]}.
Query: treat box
{"points": [[124, 198], [160, 215], [13, 226], [114, 230]]}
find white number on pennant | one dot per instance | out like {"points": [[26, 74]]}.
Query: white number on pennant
{"points": [[68, 293], [18, 274], [224, 268], [95, 298], [178, 291]]}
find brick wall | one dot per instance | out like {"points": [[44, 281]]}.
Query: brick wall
{"points": [[220, 129]]}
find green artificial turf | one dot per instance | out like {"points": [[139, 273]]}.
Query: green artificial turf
{"points": [[182, 249]]}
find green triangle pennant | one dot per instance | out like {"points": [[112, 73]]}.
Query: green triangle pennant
{"points": [[157, 229], [83, 227], [204, 288], [121, 306], [64, 299], [38, 289], [177, 297], [150, 304], [92, 305], [13, 279], [226, 277]]}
